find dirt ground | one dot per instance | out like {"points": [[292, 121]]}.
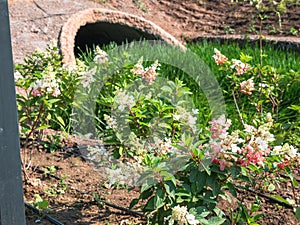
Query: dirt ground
{"points": [[35, 22]]}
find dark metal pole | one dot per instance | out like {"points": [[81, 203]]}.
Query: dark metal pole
{"points": [[11, 191]]}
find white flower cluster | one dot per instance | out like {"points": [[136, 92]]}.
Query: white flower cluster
{"points": [[138, 145], [124, 100], [182, 217], [124, 174], [287, 150], [164, 146], [186, 117], [100, 56], [239, 66], [88, 77], [138, 68], [251, 149], [111, 122], [148, 74], [98, 154], [47, 84], [219, 57], [18, 76], [247, 87]]}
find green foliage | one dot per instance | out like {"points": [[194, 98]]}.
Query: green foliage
{"points": [[58, 188], [52, 143], [185, 173], [294, 31], [278, 77], [40, 203], [45, 93], [158, 119], [50, 170]]}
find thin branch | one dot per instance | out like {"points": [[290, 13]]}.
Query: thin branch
{"points": [[237, 107]]}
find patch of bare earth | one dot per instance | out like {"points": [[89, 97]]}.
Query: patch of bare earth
{"points": [[75, 200]]}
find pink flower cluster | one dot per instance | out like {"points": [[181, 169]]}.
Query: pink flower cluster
{"points": [[226, 149], [148, 74], [251, 156], [239, 66], [219, 57], [219, 134], [236, 64], [219, 127], [247, 87]]}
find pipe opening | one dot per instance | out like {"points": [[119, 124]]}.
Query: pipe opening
{"points": [[104, 33], [88, 28]]}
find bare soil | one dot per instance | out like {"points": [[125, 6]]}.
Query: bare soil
{"points": [[35, 22]]}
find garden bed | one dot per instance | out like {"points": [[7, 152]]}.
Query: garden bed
{"points": [[73, 207], [78, 192], [67, 186]]}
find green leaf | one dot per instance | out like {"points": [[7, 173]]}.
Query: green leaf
{"points": [[60, 120], [170, 188], [255, 218], [48, 117], [294, 181], [297, 213], [43, 204], [201, 181], [42, 127], [150, 205], [271, 187], [194, 176], [216, 221], [133, 203], [204, 165], [254, 207], [235, 171], [121, 149], [22, 119], [281, 199], [216, 189], [159, 199], [232, 189], [168, 176], [38, 198], [245, 58], [200, 212], [51, 101], [150, 182], [211, 180]]}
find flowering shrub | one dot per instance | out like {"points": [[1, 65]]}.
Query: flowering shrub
{"points": [[45, 92], [183, 171], [195, 175], [187, 170], [257, 90], [141, 116], [186, 186]]}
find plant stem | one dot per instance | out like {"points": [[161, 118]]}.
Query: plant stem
{"points": [[237, 107], [260, 58], [28, 136]]}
